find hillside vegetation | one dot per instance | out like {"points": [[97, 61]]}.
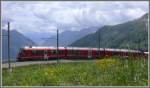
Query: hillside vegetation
{"points": [[132, 34]]}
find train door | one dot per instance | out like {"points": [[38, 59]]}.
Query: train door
{"points": [[45, 55], [90, 53]]}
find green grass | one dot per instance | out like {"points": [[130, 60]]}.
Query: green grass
{"points": [[105, 72]]}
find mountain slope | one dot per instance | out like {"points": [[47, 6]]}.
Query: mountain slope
{"points": [[17, 40], [133, 34], [68, 37]]}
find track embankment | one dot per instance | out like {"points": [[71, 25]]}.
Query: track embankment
{"points": [[25, 63]]}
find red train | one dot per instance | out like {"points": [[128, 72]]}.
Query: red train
{"points": [[47, 53]]}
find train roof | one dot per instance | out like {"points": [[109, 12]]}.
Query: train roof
{"points": [[146, 52], [77, 48]]}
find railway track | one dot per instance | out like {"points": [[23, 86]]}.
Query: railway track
{"points": [[26, 63]]}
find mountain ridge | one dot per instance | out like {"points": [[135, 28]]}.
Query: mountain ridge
{"points": [[17, 41], [69, 36], [119, 36]]}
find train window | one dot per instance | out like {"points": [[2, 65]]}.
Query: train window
{"points": [[77, 52], [34, 52], [54, 51], [60, 52], [40, 52], [49, 52], [45, 52], [73, 52], [115, 53], [97, 53]]}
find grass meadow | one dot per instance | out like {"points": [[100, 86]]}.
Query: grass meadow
{"points": [[112, 71]]}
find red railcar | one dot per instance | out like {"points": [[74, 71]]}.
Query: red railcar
{"points": [[47, 53]]}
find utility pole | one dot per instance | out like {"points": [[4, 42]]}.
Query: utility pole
{"points": [[139, 44], [99, 43], [57, 50], [57, 46], [8, 36], [9, 66]]}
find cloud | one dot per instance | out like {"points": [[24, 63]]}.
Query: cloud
{"points": [[40, 16]]}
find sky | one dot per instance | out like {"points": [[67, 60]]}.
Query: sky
{"points": [[47, 16]]}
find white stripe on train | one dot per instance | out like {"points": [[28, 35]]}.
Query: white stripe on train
{"points": [[81, 48]]}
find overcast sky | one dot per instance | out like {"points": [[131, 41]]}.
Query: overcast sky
{"points": [[47, 16]]}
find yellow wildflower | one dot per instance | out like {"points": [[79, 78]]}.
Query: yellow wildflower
{"points": [[106, 63]]}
